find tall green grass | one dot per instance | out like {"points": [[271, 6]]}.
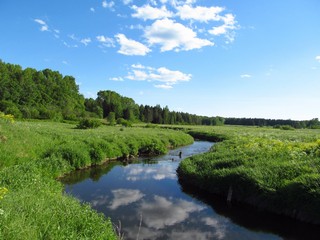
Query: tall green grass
{"points": [[34, 154], [269, 168]]}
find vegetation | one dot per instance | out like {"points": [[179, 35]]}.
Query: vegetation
{"points": [[86, 123], [47, 94], [268, 168], [32, 204]]}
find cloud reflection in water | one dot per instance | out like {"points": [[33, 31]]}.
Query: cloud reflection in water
{"points": [[162, 212], [123, 197], [163, 170]]}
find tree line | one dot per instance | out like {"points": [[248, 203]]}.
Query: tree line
{"points": [[47, 94]]}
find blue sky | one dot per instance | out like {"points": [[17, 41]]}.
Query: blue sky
{"points": [[249, 58]]}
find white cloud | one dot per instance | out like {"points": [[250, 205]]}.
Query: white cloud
{"points": [[92, 9], [131, 47], [138, 66], [85, 41], [174, 36], [65, 62], [245, 76], [166, 77], [202, 14], [117, 79], [126, 2], [123, 197], [106, 4], [44, 26], [176, 3], [147, 12], [138, 26], [227, 27], [318, 58], [163, 86], [105, 41], [41, 22]]}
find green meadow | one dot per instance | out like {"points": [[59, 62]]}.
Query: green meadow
{"points": [[34, 154], [273, 169]]}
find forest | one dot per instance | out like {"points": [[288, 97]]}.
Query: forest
{"points": [[47, 94]]}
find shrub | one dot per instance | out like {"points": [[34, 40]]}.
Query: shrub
{"points": [[86, 123]]}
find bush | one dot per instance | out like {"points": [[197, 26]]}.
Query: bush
{"points": [[86, 123]]}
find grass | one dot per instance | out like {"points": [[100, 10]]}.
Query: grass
{"points": [[34, 154], [269, 168]]}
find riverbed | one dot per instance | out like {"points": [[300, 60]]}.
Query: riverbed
{"points": [[145, 200]]}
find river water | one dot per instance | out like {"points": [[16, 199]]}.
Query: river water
{"points": [[145, 200]]}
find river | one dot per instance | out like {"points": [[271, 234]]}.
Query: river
{"points": [[145, 200]]}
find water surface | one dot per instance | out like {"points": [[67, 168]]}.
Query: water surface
{"points": [[146, 201]]}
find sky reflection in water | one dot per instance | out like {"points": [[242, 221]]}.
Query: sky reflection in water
{"points": [[149, 193]]}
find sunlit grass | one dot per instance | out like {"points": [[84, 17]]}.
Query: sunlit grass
{"points": [[34, 154], [275, 169]]}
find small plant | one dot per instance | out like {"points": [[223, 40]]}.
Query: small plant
{"points": [[7, 117], [3, 192], [86, 123]]}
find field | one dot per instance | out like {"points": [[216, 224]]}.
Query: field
{"points": [[34, 154], [273, 169]]}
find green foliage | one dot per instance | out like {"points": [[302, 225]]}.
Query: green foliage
{"points": [[34, 208], [36, 153], [86, 123], [276, 170], [112, 118], [44, 94], [7, 117], [284, 127], [124, 123]]}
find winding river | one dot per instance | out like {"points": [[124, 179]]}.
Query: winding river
{"points": [[145, 200]]}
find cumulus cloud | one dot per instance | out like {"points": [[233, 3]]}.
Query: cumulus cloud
{"points": [[123, 197], [148, 12], [174, 36], [202, 14], [131, 47], [43, 24], [318, 58], [166, 77]]}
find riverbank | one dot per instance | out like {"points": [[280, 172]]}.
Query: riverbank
{"points": [[271, 169], [34, 154]]}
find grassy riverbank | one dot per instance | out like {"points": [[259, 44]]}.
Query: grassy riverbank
{"points": [[34, 154], [269, 168]]}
